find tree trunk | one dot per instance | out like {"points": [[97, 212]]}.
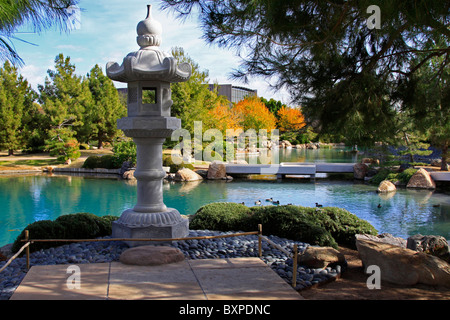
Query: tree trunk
{"points": [[444, 164], [100, 144], [10, 152]]}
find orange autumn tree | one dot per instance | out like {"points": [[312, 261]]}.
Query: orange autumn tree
{"points": [[254, 114], [290, 119], [224, 117]]}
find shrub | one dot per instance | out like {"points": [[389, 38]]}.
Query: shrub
{"points": [[107, 162], [342, 224], [221, 216], [124, 151], [70, 226], [91, 162], [167, 162], [43, 229], [406, 175], [292, 222], [386, 174], [380, 176], [175, 167], [328, 226]]}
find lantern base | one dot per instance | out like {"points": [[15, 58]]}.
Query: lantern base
{"points": [[156, 225]]}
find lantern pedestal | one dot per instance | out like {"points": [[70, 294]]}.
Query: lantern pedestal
{"points": [[160, 225], [150, 218]]}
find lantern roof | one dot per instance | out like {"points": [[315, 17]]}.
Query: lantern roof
{"points": [[149, 62]]}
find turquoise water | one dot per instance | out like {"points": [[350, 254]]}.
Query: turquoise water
{"points": [[26, 199]]}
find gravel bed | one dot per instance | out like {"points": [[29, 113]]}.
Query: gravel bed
{"points": [[232, 247]]}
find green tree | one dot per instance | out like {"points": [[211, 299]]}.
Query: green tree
{"points": [[341, 70], [273, 106], [101, 115], [427, 101], [16, 100], [192, 100], [64, 98], [41, 15]]}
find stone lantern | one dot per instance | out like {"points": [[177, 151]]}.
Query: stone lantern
{"points": [[148, 73]]}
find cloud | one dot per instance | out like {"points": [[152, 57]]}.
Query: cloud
{"points": [[69, 47], [35, 75]]}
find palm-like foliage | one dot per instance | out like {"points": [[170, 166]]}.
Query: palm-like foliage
{"points": [[39, 14]]}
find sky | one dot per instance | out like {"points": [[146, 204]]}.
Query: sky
{"points": [[107, 32]]}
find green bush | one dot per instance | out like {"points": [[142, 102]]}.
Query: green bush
{"points": [[380, 176], [43, 229], [328, 226], [292, 222], [108, 161], [342, 224], [91, 162], [406, 175], [70, 226], [386, 174], [221, 216], [124, 151], [175, 167], [167, 162]]}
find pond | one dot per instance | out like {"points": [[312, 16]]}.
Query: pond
{"points": [[26, 199]]}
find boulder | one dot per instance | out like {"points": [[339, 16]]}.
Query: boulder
{"points": [[151, 255], [369, 161], [129, 175], [287, 143], [186, 174], [435, 245], [217, 170], [421, 179], [320, 257], [404, 266], [126, 166], [386, 186], [359, 171], [384, 238]]}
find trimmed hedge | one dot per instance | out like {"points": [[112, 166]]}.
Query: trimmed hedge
{"points": [[71, 226], [220, 216], [108, 161], [328, 226]]}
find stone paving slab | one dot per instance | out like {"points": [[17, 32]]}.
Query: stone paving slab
{"points": [[205, 279]]}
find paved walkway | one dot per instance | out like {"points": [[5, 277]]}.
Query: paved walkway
{"points": [[204, 279]]}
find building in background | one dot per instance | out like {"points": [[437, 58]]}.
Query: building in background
{"points": [[233, 93]]}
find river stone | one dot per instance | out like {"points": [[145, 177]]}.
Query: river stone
{"points": [[320, 257], [404, 266], [151, 255], [386, 186], [421, 179]]}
